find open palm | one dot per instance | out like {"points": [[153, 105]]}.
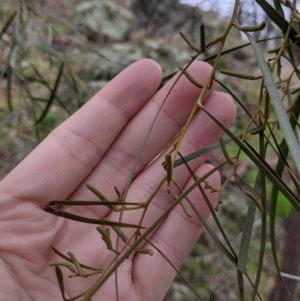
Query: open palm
{"points": [[98, 145]]}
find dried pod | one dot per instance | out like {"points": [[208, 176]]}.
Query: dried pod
{"points": [[267, 106], [63, 264], [169, 167], [253, 28], [76, 263], [189, 41], [249, 28], [225, 151], [240, 75], [184, 206], [101, 196], [202, 38], [258, 130], [120, 233], [190, 78], [278, 67], [95, 191], [146, 251], [105, 236], [257, 201], [216, 40]]}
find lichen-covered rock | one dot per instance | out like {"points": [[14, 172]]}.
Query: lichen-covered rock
{"points": [[111, 60], [103, 18], [164, 18]]}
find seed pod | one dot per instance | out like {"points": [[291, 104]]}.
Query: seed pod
{"points": [[253, 28], [60, 280], [258, 130], [240, 75], [146, 251], [267, 106], [101, 196], [202, 38], [189, 41], [169, 167], [278, 65], [105, 236], [225, 151], [120, 233], [184, 206], [190, 78], [216, 40], [257, 201], [63, 264], [76, 263], [97, 192]]}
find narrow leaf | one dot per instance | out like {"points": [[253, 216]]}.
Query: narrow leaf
{"points": [[9, 72], [42, 46], [13, 56], [175, 269], [230, 254], [210, 58], [246, 236], [205, 150], [90, 203], [52, 95], [277, 19], [241, 285], [6, 25], [17, 37], [101, 280], [277, 104], [60, 280], [274, 194], [68, 259], [259, 162], [88, 220], [278, 7]]}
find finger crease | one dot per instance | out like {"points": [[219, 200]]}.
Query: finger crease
{"points": [[173, 255], [166, 112], [118, 105], [80, 148], [120, 160]]}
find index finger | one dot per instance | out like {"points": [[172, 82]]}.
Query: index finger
{"points": [[61, 162]]}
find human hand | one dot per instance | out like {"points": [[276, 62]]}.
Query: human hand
{"points": [[98, 145]]}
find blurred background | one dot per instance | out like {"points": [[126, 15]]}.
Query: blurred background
{"points": [[54, 55]]}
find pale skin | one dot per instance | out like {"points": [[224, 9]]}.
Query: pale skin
{"points": [[98, 145]]}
